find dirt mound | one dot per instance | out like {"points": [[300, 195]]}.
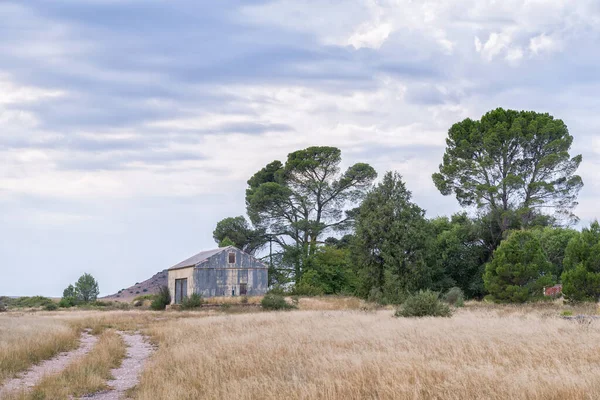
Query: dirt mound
{"points": [[149, 286]]}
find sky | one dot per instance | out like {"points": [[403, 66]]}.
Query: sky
{"points": [[128, 128]]}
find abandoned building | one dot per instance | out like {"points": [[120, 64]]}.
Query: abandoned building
{"points": [[226, 271]]}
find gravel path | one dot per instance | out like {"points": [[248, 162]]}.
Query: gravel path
{"points": [[35, 374], [128, 374]]}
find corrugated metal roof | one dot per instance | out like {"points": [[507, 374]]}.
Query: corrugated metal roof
{"points": [[203, 255]]}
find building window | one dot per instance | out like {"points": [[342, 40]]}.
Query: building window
{"points": [[231, 258]]}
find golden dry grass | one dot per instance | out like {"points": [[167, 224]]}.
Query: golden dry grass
{"points": [[491, 353], [85, 375], [326, 350], [232, 300], [28, 339]]}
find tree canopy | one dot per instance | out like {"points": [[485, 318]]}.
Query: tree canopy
{"points": [[237, 232], [86, 288], [511, 161], [392, 236], [296, 203], [519, 270]]}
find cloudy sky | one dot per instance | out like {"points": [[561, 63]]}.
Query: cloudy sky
{"points": [[129, 128]]}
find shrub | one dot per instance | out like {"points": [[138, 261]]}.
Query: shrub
{"points": [[192, 301], [519, 270], [119, 305], [376, 296], [51, 306], [455, 297], [145, 290], [2, 307], [423, 304], [66, 302], [138, 303], [275, 302], [162, 299], [307, 289], [244, 300]]}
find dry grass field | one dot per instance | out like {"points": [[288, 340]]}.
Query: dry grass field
{"points": [[327, 350]]}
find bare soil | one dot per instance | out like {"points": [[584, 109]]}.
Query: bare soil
{"points": [[54, 365], [128, 374]]}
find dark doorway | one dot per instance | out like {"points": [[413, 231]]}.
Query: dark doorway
{"points": [[243, 289], [180, 290]]}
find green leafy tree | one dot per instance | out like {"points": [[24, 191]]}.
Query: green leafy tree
{"points": [[70, 292], [235, 231], [511, 163], [391, 243], [296, 203], [581, 276], [519, 269], [69, 297], [554, 241], [328, 272], [86, 288], [460, 252]]}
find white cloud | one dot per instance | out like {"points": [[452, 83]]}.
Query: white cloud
{"points": [[369, 35], [543, 43]]}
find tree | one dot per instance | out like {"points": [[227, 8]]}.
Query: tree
{"points": [[69, 292], [237, 232], [554, 242], [581, 276], [391, 243], [519, 269], [460, 252], [328, 272], [297, 203], [86, 288], [511, 162]]}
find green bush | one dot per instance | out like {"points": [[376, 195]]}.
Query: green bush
{"points": [[191, 302], [307, 289], [2, 307], [27, 302], [66, 302], [519, 270], [376, 296], [162, 299], [275, 302], [51, 306], [455, 297], [423, 304], [581, 276]]}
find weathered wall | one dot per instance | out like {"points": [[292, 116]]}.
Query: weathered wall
{"points": [[217, 277], [180, 274]]}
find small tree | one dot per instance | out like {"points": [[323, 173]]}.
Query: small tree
{"points": [[86, 288], [519, 270], [581, 276], [69, 297]]}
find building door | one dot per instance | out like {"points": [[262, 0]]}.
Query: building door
{"points": [[180, 290], [243, 289]]}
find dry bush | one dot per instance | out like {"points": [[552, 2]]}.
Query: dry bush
{"points": [[477, 354], [86, 375], [28, 339]]}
